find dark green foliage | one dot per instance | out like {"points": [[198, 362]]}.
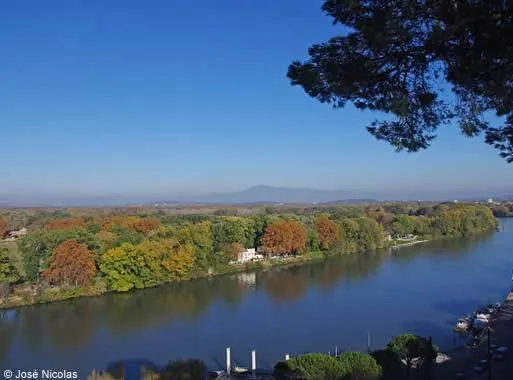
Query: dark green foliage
{"points": [[32, 249], [37, 247], [182, 219], [93, 228], [389, 363], [8, 272], [501, 211], [232, 229], [125, 235], [39, 219], [312, 367], [395, 56], [184, 370], [361, 366], [403, 225], [409, 347]]}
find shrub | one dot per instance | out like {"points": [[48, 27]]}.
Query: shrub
{"points": [[312, 367], [361, 366]]}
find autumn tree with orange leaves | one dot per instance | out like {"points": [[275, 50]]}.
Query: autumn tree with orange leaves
{"points": [[130, 222], [3, 227], [146, 225], [327, 230], [65, 224], [71, 263], [284, 237]]}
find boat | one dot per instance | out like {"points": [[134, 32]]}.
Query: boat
{"points": [[463, 325], [483, 317], [215, 375], [237, 369]]}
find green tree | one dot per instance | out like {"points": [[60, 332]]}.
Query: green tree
{"points": [[120, 267], [390, 364], [371, 234], [361, 366], [126, 235], [409, 347], [259, 224], [403, 225], [150, 254], [184, 370], [394, 54], [93, 228], [32, 248], [312, 367], [8, 272], [199, 235], [227, 230], [3, 227]]}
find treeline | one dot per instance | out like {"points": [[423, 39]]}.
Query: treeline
{"points": [[403, 355], [122, 252], [503, 210]]}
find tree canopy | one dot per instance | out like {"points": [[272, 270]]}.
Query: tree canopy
{"points": [[398, 56], [3, 227], [71, 263], [8, 272]]}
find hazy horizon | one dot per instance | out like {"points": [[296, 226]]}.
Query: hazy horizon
{"points": [[259, 193]]}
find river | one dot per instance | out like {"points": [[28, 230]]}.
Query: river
{"points": [[315, 307]]}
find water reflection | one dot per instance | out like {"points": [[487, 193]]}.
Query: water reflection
{"points": [[68, 326], [452, 247]]}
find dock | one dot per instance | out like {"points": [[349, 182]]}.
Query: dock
{"points": [[473, 363]]}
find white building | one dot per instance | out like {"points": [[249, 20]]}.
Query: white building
{"points": [[247, 255], [13, 235]]}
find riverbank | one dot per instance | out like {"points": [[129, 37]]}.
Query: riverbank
{"points": [[26, 294], [465, 360], [406, 244]]}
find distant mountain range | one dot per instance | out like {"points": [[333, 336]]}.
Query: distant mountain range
{"points": [[253, 195], [270, 194]]}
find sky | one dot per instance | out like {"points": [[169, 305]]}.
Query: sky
{"points": [[163, 97]]}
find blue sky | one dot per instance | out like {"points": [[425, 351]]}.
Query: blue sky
{"points": [[162, 97]]}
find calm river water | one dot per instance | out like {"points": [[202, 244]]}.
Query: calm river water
{"points": [[421, 289]]}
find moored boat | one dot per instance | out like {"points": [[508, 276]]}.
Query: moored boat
{"points": [[463, 325], [237, 369]]}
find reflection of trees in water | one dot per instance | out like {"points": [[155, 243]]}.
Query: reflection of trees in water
{"points": [[451, 247], [290, 283], [286, 284], [69, 325], [348, 267], [31, 327], [188, 299], [8, 327]]}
